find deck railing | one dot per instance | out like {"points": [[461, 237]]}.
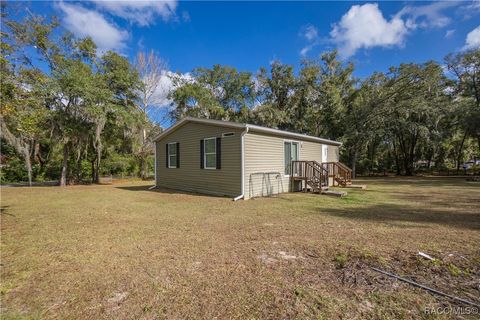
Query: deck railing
{"points": [[310, 171], [340, 172]]}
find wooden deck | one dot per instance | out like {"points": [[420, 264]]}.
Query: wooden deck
{"points": [[316, 176]]}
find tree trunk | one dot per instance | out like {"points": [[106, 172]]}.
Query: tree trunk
{"points": [[79, 171], [143, 173], [408, 170], [93, 170], [397, 160], [411, 154], [144, 136], [144, 153], [97, 163], [98, 148], [371, 153], [404, 155], [28, 166], [63, 176], [459, 153], [37, 155], [354, 163]]}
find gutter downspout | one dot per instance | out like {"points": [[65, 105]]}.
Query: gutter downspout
{"points": [[242, 138]]}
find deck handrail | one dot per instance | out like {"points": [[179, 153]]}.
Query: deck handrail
{"points": [[340, 164], [344, 166], [339, 171], [311, 171], [317, 174]]}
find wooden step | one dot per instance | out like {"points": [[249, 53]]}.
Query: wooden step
{"points": [[317, 189], [356, 186], [334, 193]]}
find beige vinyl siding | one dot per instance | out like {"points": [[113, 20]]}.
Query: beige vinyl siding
{"points": [[189, 177], [265, 154]]}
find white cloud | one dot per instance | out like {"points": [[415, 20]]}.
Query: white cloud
{"points": [[364, 26], [142, 13], [168, 82], [473, 39], [449, 33], [428, 16], [83, 22], [305, 50], [469, 10], [165, 85], [310, 32]]}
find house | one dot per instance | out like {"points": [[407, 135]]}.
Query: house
{"points": [[243, 160]]}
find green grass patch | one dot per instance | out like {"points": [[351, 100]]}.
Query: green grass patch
{"points": [[123, 251]]}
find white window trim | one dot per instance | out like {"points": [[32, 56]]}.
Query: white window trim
{"points": [[205, 153], [298, 154], [169, 155]]}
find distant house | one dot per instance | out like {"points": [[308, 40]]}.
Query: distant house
{"points": [[243, 160]]}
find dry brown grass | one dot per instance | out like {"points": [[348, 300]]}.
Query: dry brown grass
{"points": [[122, 251]]}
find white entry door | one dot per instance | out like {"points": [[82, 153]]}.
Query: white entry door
{"points": [[324, 153]]}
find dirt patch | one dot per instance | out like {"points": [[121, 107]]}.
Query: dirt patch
{"points": [[286, 256]]}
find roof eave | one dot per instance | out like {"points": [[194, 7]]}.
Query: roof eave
{"points": [[292, 135], [245, 126], [197, 120]]}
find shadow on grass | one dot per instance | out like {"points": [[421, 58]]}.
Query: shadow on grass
{"points": [[442, 199], [168, 191], [34, 184], [419, 181], [404, 216], [4, 209]]}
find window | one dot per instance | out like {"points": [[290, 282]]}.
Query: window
{"points": [[210, 153], [291, 154], [172, 155]]}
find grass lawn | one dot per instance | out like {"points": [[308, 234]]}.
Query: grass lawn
{"points": [[123, 251]]}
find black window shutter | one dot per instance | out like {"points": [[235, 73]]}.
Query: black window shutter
{"points": [[202, 165], [219, 153], [166, 155], [178, 154]]}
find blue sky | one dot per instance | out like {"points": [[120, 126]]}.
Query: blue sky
{"points": [[249, 35]]}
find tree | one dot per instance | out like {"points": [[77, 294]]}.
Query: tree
{"points": [[193, 99], [275, 96], [306, 96], [465, 67], [124, 85], [233, 90], [70, 112], [22, 104], [217, 93], [152, 70], [363, 121], [414, 109], [81, 89], [335, 91]]}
